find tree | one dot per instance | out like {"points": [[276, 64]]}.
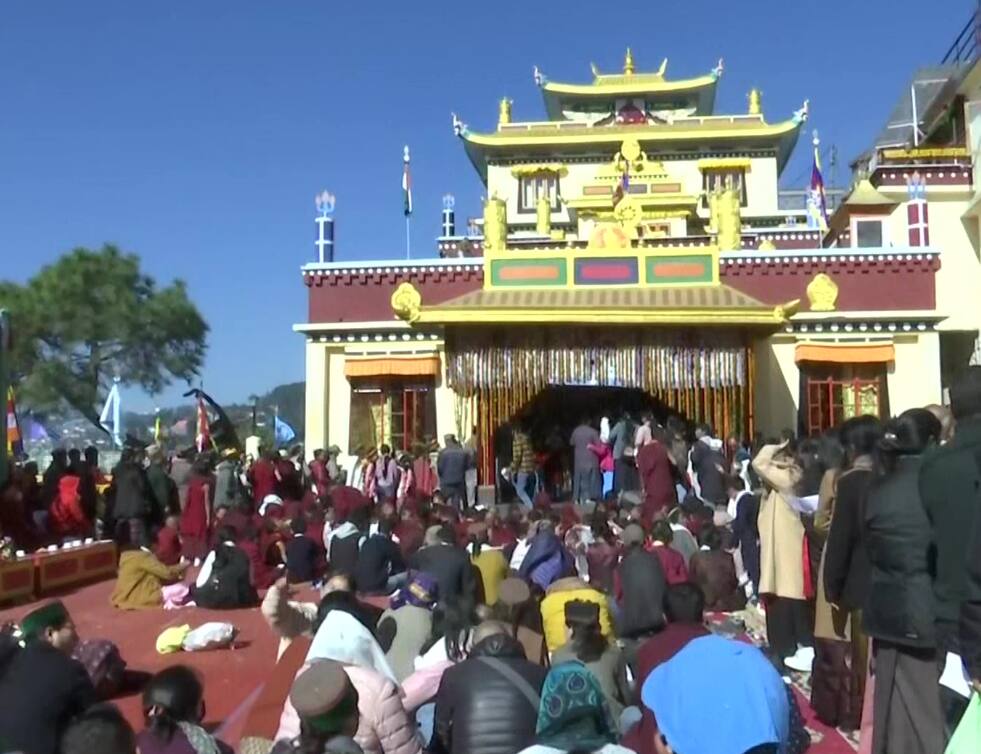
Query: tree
{"points": [[92, 315]]}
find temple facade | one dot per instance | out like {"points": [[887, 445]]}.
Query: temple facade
{"points": [[634, 249]]}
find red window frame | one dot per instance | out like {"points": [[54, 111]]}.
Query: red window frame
{"points": [[826, 393]]}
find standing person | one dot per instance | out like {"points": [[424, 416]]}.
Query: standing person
{"points": [[657, 481], [899, 613], [335, 474], [406, 492], [386, 476], [226, 479], [262, 476], [624, 469], [318, 472], [166, 498], [585, 463], [949, 484], [196, 518], [789, 624], [709, 466], [180, 472], [473, 450], [41, 686], [451, 466], [745, 529], [131, 495], [68, 514], [644, 432], [843, 645], [523, 464]]}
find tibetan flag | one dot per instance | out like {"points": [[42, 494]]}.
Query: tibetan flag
{"points": [[406, 183], [15, 443], [817, 203], [623, 187], [203, 435]]}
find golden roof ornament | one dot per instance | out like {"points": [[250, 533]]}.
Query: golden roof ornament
{"points": [[504, 112], [628, 63], [822, 293], [407, 302], [755, 101]]}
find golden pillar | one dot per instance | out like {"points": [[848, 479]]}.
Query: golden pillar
{"points": [[495, 224], [543, 216], [755, 98], [504, 112]]}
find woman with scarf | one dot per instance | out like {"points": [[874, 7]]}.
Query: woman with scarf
{"points": [[383, 725], [573, 715], [173, 711]]}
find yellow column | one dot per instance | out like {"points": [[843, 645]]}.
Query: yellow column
{"points": [[914, 377], [777, 388], [316, 397], [446, 407], [339, 402]]}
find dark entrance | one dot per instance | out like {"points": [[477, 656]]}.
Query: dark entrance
{"points": [[552, 415]]}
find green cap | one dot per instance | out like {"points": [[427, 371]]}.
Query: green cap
{"points": [[52, 615]]}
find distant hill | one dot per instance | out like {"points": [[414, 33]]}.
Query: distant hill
{"points": [[178, 422]]}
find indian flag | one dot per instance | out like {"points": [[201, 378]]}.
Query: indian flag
{"points": [[406, 183]]}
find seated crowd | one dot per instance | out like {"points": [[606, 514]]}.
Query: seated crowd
{"points": [[594, 627]]}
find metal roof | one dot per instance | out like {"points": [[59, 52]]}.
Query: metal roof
{"points": [[934, 87]]}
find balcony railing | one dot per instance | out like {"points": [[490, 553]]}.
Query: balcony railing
{"points": [[967, 45]]}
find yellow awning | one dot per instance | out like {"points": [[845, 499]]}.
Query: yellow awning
{"points": [[845, 353], [393, 366]]}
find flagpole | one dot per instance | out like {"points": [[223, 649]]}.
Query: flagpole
{"points": [[4, 381], [408, 245]]}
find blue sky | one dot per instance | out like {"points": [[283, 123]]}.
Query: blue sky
{"points": [[197, 133]]}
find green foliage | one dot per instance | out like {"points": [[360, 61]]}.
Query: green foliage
{"points": [[92, 315]]}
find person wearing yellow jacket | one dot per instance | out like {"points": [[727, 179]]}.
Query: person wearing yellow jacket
{"points": [[553, 609]]}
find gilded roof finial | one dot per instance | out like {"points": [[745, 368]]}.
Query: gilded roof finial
{"points": [[755, 101], [628, 63], [504, 112]]}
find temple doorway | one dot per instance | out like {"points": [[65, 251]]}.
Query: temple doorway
{"points": [[550, 418]]}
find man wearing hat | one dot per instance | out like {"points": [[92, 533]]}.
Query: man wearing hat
{"points": [[43, 689], [327, 705]]}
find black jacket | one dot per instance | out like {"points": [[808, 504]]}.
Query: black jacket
{"points": [[949, 482], [345, 551], [452, 464], [479, 709], [846, 562], [970, 633], [130, 492], [451, 568], [709, 466], [380, 557], [643, 585], [230, 585], [301, 559], [41, 691], [899, 603]]}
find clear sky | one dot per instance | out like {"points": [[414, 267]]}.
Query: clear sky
{"points": [[196, 134]]}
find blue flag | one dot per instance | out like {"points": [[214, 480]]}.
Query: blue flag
{"points": [[282, 431]]}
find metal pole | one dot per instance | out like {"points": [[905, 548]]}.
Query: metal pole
{"points": [[4, 385], [916, 120], [408, 246]]}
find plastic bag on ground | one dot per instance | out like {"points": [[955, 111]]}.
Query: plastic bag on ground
{"points": [[214, 635]]}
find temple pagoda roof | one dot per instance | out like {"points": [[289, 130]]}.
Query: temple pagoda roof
{"points": [[696, 93], [516, 140]]}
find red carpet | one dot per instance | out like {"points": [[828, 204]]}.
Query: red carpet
{"points": [[232, 677]]}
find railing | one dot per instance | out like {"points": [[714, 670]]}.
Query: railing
{"points": [[796, 199], [967, 45]]}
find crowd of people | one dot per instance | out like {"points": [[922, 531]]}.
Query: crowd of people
{"points": [[599, 625]]}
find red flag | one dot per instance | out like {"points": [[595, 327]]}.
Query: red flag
{"points": [[204, 432], [15, 444]]}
